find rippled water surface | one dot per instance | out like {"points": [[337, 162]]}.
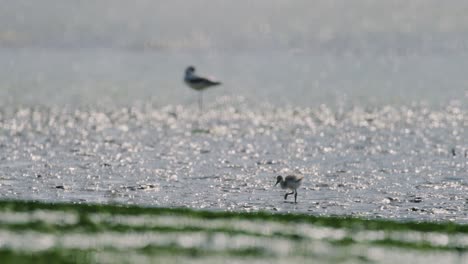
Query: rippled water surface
{"points": [[367, 100], [403, 162]]}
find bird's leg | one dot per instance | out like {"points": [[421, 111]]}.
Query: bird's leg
{"points": [[295, 196], [200, 101], [286, 195]]}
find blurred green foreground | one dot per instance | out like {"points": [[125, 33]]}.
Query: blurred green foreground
{"points": [[33, 232]]}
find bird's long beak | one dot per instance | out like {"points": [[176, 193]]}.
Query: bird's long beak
{"points": [[278, 181]]}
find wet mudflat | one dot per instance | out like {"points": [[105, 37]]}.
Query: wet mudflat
{"points": [[393, 162]]}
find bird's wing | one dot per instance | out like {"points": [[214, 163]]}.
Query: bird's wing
{"points": [[300, 178], [200, 80], [294, 178]]}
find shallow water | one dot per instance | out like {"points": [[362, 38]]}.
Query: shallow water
{"points": [[77, 77], [367, 100], [401, 162], [300, 53]]}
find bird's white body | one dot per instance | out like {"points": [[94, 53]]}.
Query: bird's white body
{"points": [[291, 182]]}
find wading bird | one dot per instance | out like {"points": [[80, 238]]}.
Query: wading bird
{"points": [[198, 83], [291, 182]]}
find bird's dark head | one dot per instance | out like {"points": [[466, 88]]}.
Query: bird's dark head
{"points": [[190, 69], [279, 179]]}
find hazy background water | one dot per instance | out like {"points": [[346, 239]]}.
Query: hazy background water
{"points": [[301, 52]]}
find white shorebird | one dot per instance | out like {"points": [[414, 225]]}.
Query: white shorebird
{"points": [[198, 83], [291, 182]]}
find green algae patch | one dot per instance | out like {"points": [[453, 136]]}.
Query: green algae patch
{"points": [[35, 232], [352, 223], [45, 257]]}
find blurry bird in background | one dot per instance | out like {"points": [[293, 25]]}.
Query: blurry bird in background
{"points": [[198, 83]]}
